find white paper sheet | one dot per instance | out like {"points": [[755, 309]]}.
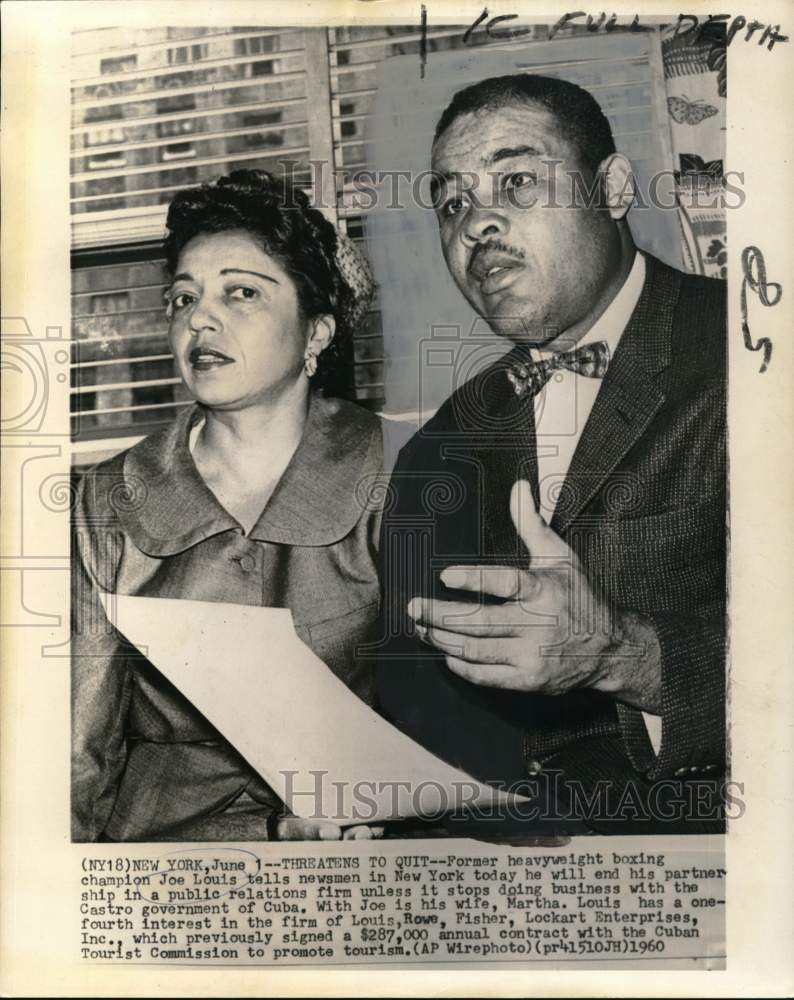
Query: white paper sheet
{"points": [[248, 673]]}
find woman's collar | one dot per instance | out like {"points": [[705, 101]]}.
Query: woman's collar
{"points": [[327, 484], [322, 494]]}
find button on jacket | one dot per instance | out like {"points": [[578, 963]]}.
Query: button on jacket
{"points": [[146, 763]]}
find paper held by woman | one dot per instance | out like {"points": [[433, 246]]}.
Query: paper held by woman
{"points": [[326, 753]]}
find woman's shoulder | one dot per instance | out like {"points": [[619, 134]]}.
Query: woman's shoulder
{"points": [[387, 435], [346, 413], [113, 484], [97, 485], [351, 435]]}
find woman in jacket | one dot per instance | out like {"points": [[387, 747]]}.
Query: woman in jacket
{"points": [[253, 495]]}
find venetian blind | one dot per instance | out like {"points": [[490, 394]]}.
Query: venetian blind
{"points": [[157, 110]]}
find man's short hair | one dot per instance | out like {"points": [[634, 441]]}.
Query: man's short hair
{"points": [[578, 114]]}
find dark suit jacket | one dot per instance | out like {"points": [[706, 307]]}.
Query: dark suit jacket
{"points": [[643, 506]]}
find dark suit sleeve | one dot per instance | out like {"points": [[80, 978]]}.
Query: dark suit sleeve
{"points": [[691, 629], [101, 681], [693, 700]]}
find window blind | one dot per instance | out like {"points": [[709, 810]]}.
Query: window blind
{"points": [[157, 110]]}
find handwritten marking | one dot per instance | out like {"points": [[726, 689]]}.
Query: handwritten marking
{"points": [[592, 24], [476, 24], [752, 257], [686, 23], [771, 33], [423, 44]]}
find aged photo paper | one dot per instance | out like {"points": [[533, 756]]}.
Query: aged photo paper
{"points": [[396, 539]]}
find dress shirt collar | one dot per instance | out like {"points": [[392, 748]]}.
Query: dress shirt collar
{"points": [[610, 325], [317, 501]]}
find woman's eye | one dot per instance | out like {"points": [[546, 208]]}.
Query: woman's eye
{"points": [[243, 293], [181, 300]]}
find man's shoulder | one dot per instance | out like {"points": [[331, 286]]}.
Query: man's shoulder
{"points": [[698, 288], [700, 323], [696, 295], [465, 411], [682, 324]]}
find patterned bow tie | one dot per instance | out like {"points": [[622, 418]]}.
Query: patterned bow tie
{"points": [[591, 361]]}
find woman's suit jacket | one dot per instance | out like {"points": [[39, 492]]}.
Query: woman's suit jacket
{"points": [[146, 764]]}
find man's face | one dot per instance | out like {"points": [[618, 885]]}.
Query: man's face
{"points": [[532, 271]]}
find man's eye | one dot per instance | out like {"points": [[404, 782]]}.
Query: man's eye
{"points": [[453, 206], [518, 180], [243, 293]]}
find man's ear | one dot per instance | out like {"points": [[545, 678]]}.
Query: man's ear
{"points": [[617, 179], [323, 329]]}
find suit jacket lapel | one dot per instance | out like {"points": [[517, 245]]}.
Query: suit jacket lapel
{"points": [[499, 429], [629, 397], [512, 457]]}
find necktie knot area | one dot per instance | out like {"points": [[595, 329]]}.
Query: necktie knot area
{"points": [[592, 361]]}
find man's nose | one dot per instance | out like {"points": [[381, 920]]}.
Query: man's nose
{"points": [[483, 223]]}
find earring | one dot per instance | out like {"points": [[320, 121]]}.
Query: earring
{"points": [[310, 362]]}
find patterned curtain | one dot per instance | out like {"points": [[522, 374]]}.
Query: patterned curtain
{"points": [[695, 78]]}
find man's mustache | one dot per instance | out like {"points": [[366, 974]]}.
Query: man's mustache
{"points": [[499, 246]]}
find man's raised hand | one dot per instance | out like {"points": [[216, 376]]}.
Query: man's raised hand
{"points": [[551, 634]]}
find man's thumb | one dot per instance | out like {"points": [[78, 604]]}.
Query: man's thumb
{"points": [[533, 531]]}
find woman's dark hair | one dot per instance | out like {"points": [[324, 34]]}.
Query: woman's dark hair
{"points": [[279, 216], [578, 114]]}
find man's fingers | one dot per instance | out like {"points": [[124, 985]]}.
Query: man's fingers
{"points": [[497, 581], [293, 828], [534, 606], [498, 675], [474, 649], [545, 546], [464, 618], [504, 582], [363, 833]]}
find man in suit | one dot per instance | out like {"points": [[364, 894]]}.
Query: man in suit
{"points": [[554, 547]]}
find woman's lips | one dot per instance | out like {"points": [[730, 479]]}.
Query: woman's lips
{"points": [[205, 359]]}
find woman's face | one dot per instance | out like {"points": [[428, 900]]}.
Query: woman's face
{"points": [[236, 328]]}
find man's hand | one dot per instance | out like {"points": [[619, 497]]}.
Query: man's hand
{"points": [[293, 828], [552, 634]]}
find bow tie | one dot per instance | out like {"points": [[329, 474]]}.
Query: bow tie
{"points": [[591, 361]]}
